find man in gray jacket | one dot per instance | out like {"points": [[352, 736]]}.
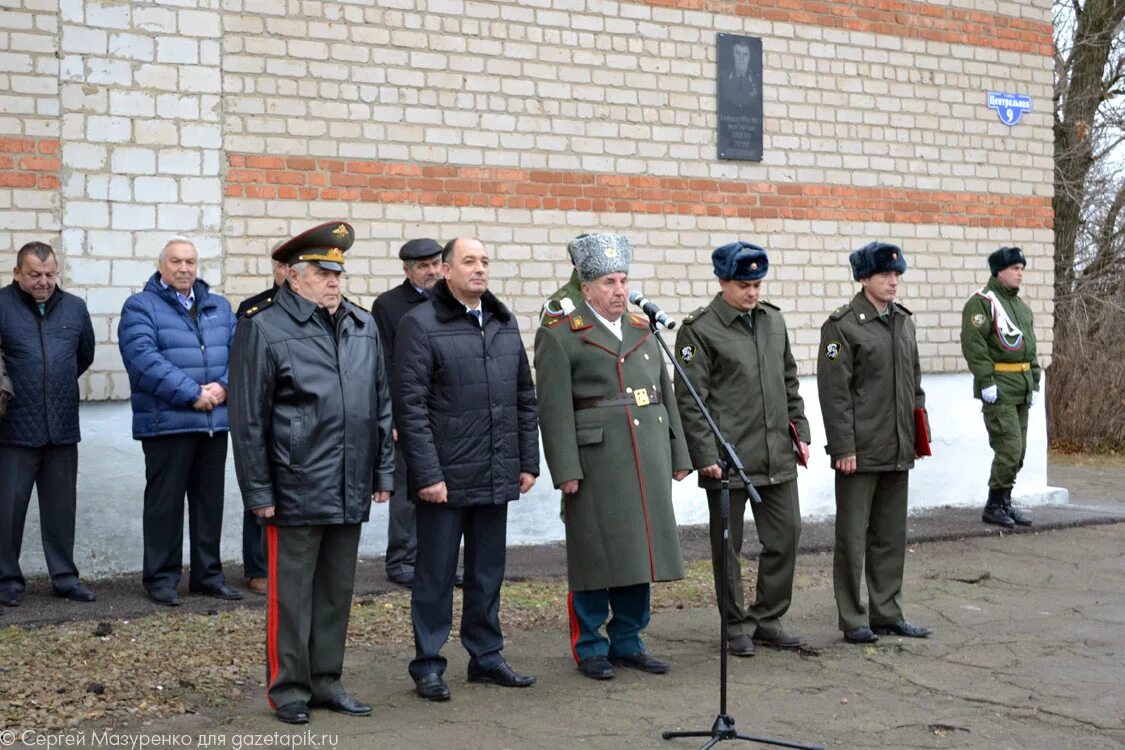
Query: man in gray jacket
{"points": [[310, 418]]}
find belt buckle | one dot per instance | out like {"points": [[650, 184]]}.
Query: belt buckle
{"points": [[640, 395]]}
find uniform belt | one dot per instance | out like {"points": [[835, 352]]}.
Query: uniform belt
{"points": [[639, 397], [1011, 366]]}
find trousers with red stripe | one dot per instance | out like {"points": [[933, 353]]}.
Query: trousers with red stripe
{"points": [[589, 610], [311, 578]]}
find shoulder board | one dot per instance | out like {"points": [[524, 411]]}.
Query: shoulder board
{"points": [[638, 321], [578, 323], [903, 307], [696, 315], [770, 305], [258, 307], [840, 311], [553, 322]]}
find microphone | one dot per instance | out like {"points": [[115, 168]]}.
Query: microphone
{"points": [[651, 309]]}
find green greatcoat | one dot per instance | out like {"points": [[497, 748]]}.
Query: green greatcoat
{"points": [[561, 303], [984, 345], [748, 378], [620, 525]]}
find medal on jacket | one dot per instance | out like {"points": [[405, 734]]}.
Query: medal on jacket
{"points": [[1011, 337]]}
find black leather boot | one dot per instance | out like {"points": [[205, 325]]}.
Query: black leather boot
{"points": [[1019, 517], [994, 511]]}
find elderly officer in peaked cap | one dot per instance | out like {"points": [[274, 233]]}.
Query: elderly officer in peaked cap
{"points": [[421, 264], [736, 352], [613, 445], [870, 384], [311, 428], [998, 341]]}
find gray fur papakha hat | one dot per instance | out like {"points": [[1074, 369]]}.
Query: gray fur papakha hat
{"points": [[595, 255]]}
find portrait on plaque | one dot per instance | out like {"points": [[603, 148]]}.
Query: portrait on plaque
{"points": [[739, 95]]}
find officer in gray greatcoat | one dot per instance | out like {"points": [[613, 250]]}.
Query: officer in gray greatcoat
{"points": [[613, 444]]}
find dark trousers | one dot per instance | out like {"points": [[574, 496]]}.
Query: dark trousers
{"points": [[871, 538], [53, 471], [253, 559], [1007, 435], [311, 571], [778, 522], [589, 610], [402, 540], [193, 464], [440, 529]]}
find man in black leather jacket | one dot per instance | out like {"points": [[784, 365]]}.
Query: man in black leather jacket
{"points": [[310, 420]]}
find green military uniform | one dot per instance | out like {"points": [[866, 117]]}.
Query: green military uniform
{"points": [[563, 302], [742, 366], [869, 379], [998, 355], [620, 525]]}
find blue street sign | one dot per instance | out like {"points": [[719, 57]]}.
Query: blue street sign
{"points": [[1010, 107]]}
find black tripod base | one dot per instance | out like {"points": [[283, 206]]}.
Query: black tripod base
{"points": [[723, 729]]}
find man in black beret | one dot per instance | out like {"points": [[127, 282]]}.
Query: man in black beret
{"points": [[310, 416], [998, 341], [421, 264], [870, 384], [736, 352]]}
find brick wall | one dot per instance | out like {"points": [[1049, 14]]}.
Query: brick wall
{"points": [[243, 121]]}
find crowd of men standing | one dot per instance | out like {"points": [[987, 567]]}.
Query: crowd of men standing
{"points": [[304, 382]]}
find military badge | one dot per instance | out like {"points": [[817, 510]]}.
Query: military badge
{"points": [[832, 351], [687, 354], [979, 320]]}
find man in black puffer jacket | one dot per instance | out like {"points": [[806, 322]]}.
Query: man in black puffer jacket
{"points": [[466, 417], [46, 343]]}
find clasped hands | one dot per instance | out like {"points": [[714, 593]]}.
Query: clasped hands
{"points": [[210, 396]]}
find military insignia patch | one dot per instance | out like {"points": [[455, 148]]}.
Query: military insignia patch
{"points": [[979, 320], [340, 231], [687, 354], [832, 351]]}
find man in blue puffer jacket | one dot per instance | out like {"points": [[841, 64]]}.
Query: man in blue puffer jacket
{"points": [[175, 338]]}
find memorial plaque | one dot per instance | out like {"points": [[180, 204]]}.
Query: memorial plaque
{"points": [[739, 95]]}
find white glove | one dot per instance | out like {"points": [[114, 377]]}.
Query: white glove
{"points": [[1031, 398], [990, 394]]}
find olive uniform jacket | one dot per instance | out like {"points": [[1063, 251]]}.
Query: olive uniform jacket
{"points": [[870, 383], [747, 377], [984, 344], [620, 525], [563, 302]]}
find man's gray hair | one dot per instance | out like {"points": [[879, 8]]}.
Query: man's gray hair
{"points": [[299, 267], [177, 240]]}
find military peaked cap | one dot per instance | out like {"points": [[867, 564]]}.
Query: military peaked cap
{"points": [[324, 245]]}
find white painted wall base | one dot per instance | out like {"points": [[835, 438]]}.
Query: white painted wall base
{"points": [[111, 484]]}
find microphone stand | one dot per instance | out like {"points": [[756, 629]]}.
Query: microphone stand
{"points": [[723, 729]]}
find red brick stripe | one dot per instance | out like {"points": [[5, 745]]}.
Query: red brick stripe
{"points": [[309, 179], [912, 20], [29, 163]]}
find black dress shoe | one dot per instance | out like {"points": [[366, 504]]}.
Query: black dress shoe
{"points": [[596, 668], [778, 638], [860, 635], [219, 591], [431, 687], [459, 581], [296, 712], [11, 597], [642, 661], [407, 581], [76, 593], [904, 628], [344, 704], [166, 596], [501, 674], [741, 645]]}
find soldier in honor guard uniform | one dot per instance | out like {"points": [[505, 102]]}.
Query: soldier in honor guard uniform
{"points": [[253, 561], [613, 445], [998, 341], [736, 352], [870, 384], [310, 416], [421, 263], [565, 299]]}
